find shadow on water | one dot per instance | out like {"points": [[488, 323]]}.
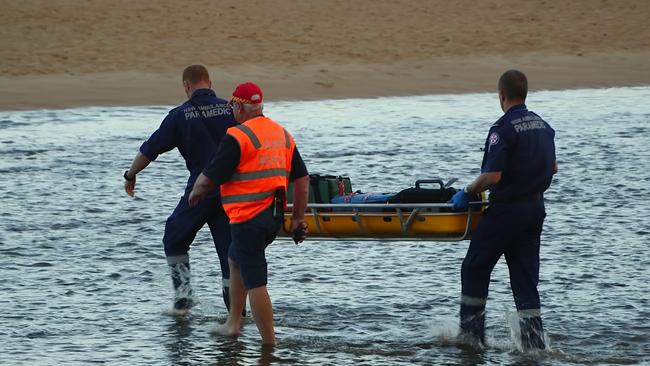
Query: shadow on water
{"points": [[181, 344]]}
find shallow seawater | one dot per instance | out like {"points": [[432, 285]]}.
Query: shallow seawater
{"points": [[84, 279]]}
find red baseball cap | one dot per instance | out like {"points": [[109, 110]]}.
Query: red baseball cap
{"points": [[247, 93]]}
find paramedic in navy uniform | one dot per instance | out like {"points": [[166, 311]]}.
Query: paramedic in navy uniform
{"points": [[518, 166], [195, 127]]}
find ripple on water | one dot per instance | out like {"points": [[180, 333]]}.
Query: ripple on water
{"points": [[87, 279]]}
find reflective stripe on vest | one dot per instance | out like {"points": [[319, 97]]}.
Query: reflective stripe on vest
{"points": [[266, 150], [260, 174], [287, 139], [250, 134], [247, 197], [256, 142]]}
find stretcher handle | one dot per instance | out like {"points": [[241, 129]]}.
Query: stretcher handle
{"points": [[434, 180]]}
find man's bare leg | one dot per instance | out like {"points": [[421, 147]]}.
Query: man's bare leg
{"points": [[263, 313], [237, 302]]}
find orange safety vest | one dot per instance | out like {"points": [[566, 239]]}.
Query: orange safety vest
{"points": [[266, 149]]}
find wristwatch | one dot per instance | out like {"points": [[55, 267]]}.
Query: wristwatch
{"points": [[126, 176]]}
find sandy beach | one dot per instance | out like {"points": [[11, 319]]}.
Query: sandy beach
{"points": [[62, 53]]}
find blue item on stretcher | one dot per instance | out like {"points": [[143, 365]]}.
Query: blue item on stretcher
{"points": [[460, 200], [358, 199]]}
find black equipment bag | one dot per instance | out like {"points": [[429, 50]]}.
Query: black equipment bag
{"points": [[425, 195]]}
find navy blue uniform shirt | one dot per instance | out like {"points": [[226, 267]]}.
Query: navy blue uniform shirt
{"points": [[521, 146], [196, 138], [224, 164]]}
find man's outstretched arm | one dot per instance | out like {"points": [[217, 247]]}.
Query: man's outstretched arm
{"points": [[140, 162]]}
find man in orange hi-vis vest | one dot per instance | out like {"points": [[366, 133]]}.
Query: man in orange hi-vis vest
{"points": [[254, 164]]}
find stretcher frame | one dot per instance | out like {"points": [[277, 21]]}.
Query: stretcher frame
{"points": [[360, 224]]}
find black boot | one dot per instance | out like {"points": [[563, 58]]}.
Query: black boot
{"points": [[225, 292], [472, 324], [532, 333]]}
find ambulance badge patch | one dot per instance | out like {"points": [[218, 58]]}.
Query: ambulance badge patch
{"points": [[494, 138]]}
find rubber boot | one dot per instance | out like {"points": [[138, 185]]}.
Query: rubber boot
{"points": [[532, 333], [180, 273], [225, 292]]}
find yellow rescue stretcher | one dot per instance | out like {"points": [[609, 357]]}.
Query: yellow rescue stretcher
{"points": [[389, 221]]}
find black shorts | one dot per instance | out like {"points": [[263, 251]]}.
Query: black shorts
{"points": [[249, 241]]}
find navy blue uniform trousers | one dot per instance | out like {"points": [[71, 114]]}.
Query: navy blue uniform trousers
{"points": [[183, 224], [510, 229]]}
